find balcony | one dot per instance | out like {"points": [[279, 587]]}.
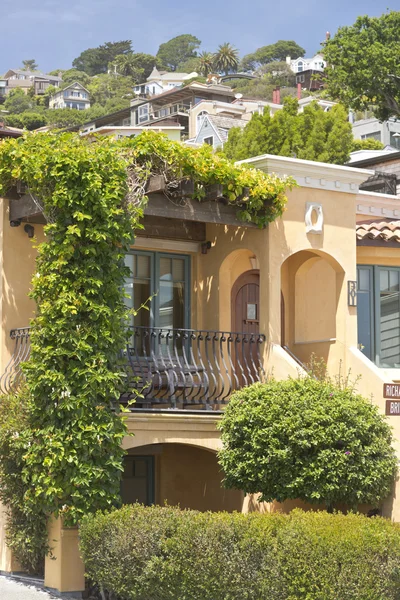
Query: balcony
{"points": [[165, 368]]}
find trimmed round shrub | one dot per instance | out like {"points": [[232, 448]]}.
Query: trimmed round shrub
{"points": [[307, 439], [163, 553]]}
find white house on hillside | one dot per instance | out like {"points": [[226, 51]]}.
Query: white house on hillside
{"points": [[316, 63], [73, 96], [162, 81]]}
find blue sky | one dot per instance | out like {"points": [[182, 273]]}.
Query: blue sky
{"points": [[54, 32]]}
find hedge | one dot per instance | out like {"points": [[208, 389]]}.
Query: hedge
{"points": [[164, 553]]}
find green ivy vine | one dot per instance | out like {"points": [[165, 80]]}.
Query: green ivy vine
{"points": [[92, 195]]}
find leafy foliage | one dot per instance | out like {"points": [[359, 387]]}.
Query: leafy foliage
{"points": [[163, 553], [226, 59], [17, 101], [30, 65], [260, 198], [74, 462], [26, 530], [307, 439], [206, 63], [367, 144], [364, 64], [312, 135], [27, 120], [178, 50], [271, 53], [94, 61]]}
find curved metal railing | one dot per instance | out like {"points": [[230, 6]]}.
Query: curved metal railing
{"points": [[168, 367], [13, 375]]}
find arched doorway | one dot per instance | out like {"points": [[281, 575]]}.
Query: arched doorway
{"points": [[245, 303]]}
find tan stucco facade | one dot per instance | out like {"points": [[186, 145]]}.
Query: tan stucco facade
{"points": [[303, 311]]}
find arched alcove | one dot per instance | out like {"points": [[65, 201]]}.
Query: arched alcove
{"points": [[311, 283], [177, 474]]}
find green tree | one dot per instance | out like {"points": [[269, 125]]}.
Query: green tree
{"points": [[178, 50], [363, 64], [206, 63], [108, 87], [145, 62], [274, 52], [125, 64], [17, 101], [278, 73], [226, 59], [307, 439], [66, 117], [94, 61], [27, 120], [30, 65], [312, 135], [190, 65], [73, 75], [368, 144]]}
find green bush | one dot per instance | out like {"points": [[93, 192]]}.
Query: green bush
{"points": [[26, 532], [163, 553], [307, 439]]}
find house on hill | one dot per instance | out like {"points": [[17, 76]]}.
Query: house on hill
{"points": [[214, 130], [162, 81], [73, 96], [25, 80]]}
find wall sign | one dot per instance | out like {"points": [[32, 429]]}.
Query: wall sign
{"points": [[352, 293], [391, 391]]}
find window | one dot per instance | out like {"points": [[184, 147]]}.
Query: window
{"points": [[375, 135], [209, 140], [378, 314], [300, 78], [164, 277], [299, 67], [143, 113]]}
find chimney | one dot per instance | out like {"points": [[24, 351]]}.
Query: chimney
{"points": [[288, 60], [278, 94], [299, 91]]}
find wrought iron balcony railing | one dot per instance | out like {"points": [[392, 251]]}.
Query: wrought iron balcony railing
{"points": [[13, 375], [172, 368]]}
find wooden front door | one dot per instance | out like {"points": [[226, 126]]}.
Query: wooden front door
{"points": [[245, 319]]}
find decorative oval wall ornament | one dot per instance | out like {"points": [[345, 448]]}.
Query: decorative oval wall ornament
{"points": [[314, 218]]}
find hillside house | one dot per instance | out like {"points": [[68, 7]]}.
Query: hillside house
{"points": [[73, 96], [162, 81], [25, 80]]}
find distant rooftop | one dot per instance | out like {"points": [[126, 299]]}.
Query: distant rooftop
{"points": [[370, 156]]}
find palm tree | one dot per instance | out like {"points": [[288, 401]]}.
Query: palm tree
{"points": [[125, 64], [206, 63], [226, 58]]}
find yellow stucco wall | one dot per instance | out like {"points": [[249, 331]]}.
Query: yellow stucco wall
{"points": [[17, 259]]}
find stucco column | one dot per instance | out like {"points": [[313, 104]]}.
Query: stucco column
{"points": [[64, 570], [8, 562]]}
